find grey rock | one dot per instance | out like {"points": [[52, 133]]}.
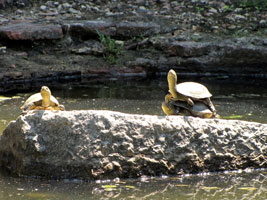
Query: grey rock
{"points": [[31, 31], [124, 29], [73, 11], [90, 28], [137, 29], [3, 50], [105, 144], [43, 8], [187, 49], [66, 5]]}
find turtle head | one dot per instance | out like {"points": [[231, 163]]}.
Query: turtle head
{"points": [[172, 76], [45, 91], [172, 81], [168, 98], [46, 94]]}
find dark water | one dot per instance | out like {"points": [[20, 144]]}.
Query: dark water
{"points": [[247, 185], [233, 99]]}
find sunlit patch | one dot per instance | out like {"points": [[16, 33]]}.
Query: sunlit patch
{"points": [[109, 187], [248, 188], [129, 186], [181, 185], [210, 188], [3, 98], [233, 117], [16, 97]]}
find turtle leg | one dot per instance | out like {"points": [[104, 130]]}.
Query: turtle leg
{"points": [[61, 107], [209, 103], [27, 108], [190, 101], [169, 109]]}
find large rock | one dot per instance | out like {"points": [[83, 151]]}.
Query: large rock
{"points": [[125, 29], [106, 144], [31, 31]]}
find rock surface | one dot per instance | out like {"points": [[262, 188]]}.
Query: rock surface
{"points": [[31, 31], [106, 144]]}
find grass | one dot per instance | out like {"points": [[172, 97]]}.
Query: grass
{"points": [[112, 49]]}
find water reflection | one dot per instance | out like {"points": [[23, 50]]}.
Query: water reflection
{"points": [[232, 185]]}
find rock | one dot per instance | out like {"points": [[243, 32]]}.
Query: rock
{"points": [[73, 11], [43, 8], [5, 3], [18, 3], [137, 29], [187, 49], [123, 29], [105, 144], [2, 50], [31, 31], [89, 28]]}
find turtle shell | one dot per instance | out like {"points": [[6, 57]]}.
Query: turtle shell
{"points": [[193, 89], [198, 110], [37, 100]]}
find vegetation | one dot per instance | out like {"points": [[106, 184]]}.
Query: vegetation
{"points": [[252, 4], [111, 48]]}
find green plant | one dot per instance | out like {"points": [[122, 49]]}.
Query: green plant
{"points": [[252, 4], [111, 48], [227, 8]]}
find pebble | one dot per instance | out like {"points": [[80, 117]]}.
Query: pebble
{"points": [[3, 50], [43, 8], [240, 18], [19, 11], [183, 12], [73, 11], [66, 5], [263, 23], [213, 10]]}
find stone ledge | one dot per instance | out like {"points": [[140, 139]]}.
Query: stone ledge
{"points": [[105, 144]]}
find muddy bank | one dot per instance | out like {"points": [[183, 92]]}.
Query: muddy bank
{"points": [[53, 40]]}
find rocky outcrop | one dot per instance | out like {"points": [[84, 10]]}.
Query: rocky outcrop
{"points": [[218, 38], [106, 144], [31, 31]]}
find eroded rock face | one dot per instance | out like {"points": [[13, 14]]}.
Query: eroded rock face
{"points": [[105, 144]]}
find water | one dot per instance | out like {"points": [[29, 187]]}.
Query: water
{"points": [[249, 185], [242, 100]]}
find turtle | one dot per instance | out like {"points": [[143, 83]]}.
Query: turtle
{"points": [[42, 101], [189, 91], [172, 107]]}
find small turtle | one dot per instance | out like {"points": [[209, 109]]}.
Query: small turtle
{"points": [[189, 91], [167, 106], [172, 107], [42, 101]]}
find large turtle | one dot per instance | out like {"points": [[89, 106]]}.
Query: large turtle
{"points": [[172, 107], [42, 101], [189, 91]]}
